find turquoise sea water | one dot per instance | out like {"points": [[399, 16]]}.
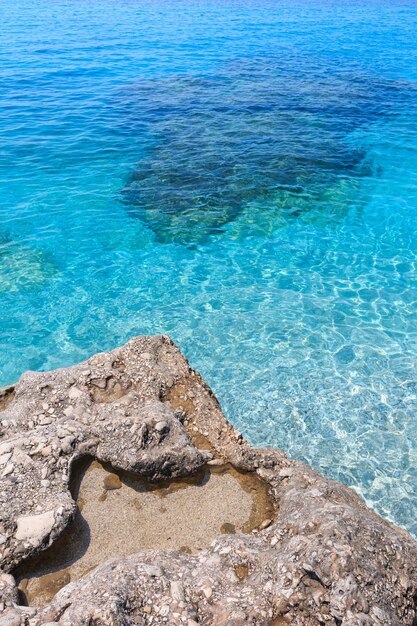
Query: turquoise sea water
{"points": [[241, 175]]}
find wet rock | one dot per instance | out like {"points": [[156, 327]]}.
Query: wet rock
{"points": [[321, 558], [112, 481]]}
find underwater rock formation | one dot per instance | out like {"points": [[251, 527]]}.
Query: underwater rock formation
{"points": [[323, 558], [23, 267]]}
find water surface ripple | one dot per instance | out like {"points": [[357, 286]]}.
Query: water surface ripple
{"points": [[241, 175]]}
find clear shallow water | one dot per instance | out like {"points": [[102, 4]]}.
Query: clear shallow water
{"points": [[242, 176]]}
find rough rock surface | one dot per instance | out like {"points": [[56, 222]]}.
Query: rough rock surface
{"points": [[325, 558]]}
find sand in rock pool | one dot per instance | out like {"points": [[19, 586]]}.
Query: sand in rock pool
{"points": [[121, 514]]}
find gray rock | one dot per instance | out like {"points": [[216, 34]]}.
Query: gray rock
{"points": [[177, 591], [34, 528], [162, 427], [11, 617], [9, 469], [323, 559]]}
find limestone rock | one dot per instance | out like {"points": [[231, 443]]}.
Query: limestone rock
{"points": [[324, 559], [34, 528]]}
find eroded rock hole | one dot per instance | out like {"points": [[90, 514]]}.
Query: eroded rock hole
{"points": [[120, 513]]}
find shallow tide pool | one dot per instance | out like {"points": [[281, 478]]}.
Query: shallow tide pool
{"points": [[241, 175]]}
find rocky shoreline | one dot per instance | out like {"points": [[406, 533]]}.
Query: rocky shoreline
{"points": [[323, 558]]}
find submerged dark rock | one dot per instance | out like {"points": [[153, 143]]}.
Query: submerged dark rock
{"points": [[258, 137], [322, 558]]}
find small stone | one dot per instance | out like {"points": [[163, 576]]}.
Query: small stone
{"points": [[7, 579], [112, 481], [74, 393], [66, 444], [177, 591], [9, 469], [44, 421], [228, 529], [241, 571], [4, 458], [153, 570], [34, 528], [265, 524], [208, 592], [162, 427]]}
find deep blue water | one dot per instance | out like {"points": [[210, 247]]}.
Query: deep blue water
{"points": [[241, 175]]}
